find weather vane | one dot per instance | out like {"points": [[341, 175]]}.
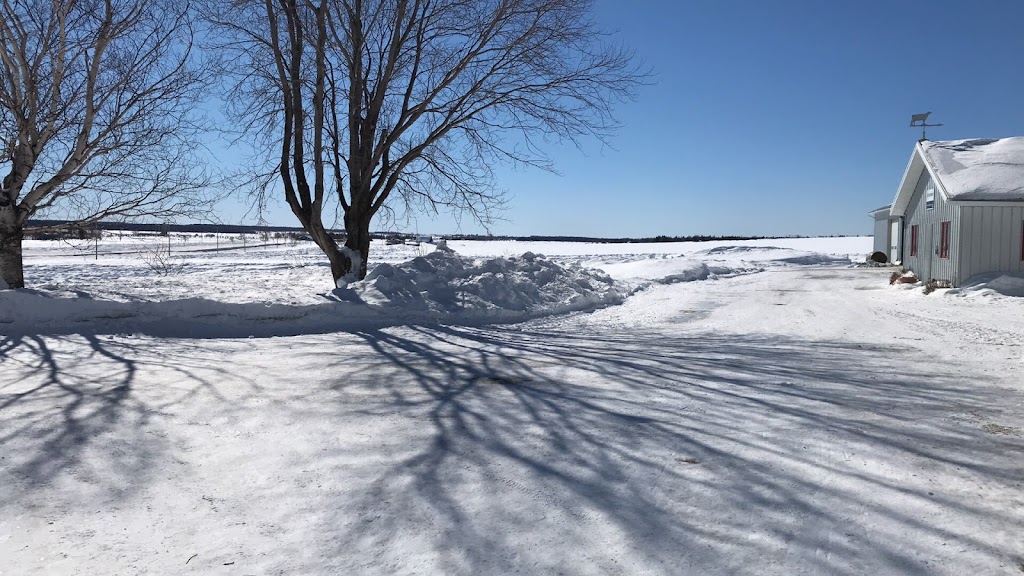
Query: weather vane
{"points": [[922, 121]]}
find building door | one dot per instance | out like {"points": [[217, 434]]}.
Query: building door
{"points": [[927, 251], [895, 233]]}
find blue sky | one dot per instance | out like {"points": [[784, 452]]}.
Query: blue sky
{"points": [[771, 117]]}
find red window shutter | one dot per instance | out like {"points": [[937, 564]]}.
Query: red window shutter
{"points": [[913, 240], [944, 243]]}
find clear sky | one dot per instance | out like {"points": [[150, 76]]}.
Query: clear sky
{"points": [[771, 117]]}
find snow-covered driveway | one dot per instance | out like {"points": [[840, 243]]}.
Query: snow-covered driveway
{"points": [[797, 421]]}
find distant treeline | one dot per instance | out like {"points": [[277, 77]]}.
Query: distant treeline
{"points": [[695, 238], [159, 228], [83, 230]]}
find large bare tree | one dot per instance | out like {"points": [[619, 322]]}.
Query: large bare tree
{"points": [[369, 102], [96, 102]]}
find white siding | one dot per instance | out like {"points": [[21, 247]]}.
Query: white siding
{"points": [[895, 248], [927, 264], [991, 239], [882, 235]]}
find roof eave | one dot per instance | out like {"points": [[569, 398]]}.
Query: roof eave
{"points": [[895, 209], [884, 209], [910, 179]]}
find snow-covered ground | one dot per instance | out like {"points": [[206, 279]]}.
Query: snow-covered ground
{"points": [[198, 285], [807, 419]]}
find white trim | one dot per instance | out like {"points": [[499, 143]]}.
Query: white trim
{"points": [[907, 188], [931, 172], [903, 181]]}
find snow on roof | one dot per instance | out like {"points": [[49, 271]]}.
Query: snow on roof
{"points": [[978, 169]]}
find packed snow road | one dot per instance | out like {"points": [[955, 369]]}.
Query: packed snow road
{"points": [[796, 421]]}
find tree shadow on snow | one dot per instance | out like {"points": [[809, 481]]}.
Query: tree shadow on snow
{"points": [[549, 451], [71, 422]]}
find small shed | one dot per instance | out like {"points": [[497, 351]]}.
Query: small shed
{"points": [[887, 233], [959, 210]]}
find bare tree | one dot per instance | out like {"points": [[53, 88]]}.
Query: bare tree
{"points": [[96, 102], [366, 102]]}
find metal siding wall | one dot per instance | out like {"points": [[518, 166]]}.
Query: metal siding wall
{"points": [[977, 250], [996, 248], [1018, 235], [1008, 251], [882, 235], [1017, 238], [929, 222], [969, 239], [994, 241]]}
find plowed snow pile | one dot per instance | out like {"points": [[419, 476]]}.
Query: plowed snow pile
{"points": [[443, 282], [441, 287]]}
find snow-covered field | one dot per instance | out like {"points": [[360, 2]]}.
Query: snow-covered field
{"points": [[709, 408], [202, 286]]}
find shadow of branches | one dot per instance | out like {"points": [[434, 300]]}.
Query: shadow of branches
{"points": [[515, 449], [72, 422], [556, 452]]}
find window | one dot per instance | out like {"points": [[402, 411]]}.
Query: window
{"points": [[929, 196], [944, 240], [913, 240]]}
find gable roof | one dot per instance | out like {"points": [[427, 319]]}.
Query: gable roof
{"points": [[983, 169], [880, 212]]}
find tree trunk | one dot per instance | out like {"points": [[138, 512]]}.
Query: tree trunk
{"points": [[11, 263], [357, 239]]}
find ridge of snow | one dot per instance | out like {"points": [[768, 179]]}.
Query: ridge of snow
{"points": [[439, 287], [992, 284], [445, 283], [979, 169], [286, 289]]}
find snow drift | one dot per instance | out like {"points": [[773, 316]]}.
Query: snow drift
{"points": [[671, 270], [441, 287], [774, 255], [993, 284]]}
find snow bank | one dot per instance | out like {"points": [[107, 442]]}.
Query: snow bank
{"points": [[774, 255], [288, 288], [991, 285], [670, 270], [712, 263], [443, 283], [441, 287], [24, 311]]}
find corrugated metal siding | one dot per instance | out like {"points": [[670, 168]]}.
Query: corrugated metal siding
{"points": [[882, 235], [927, 264], [991, 239]]}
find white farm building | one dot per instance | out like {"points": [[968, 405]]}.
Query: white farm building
{"points": [[959, 210]]}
